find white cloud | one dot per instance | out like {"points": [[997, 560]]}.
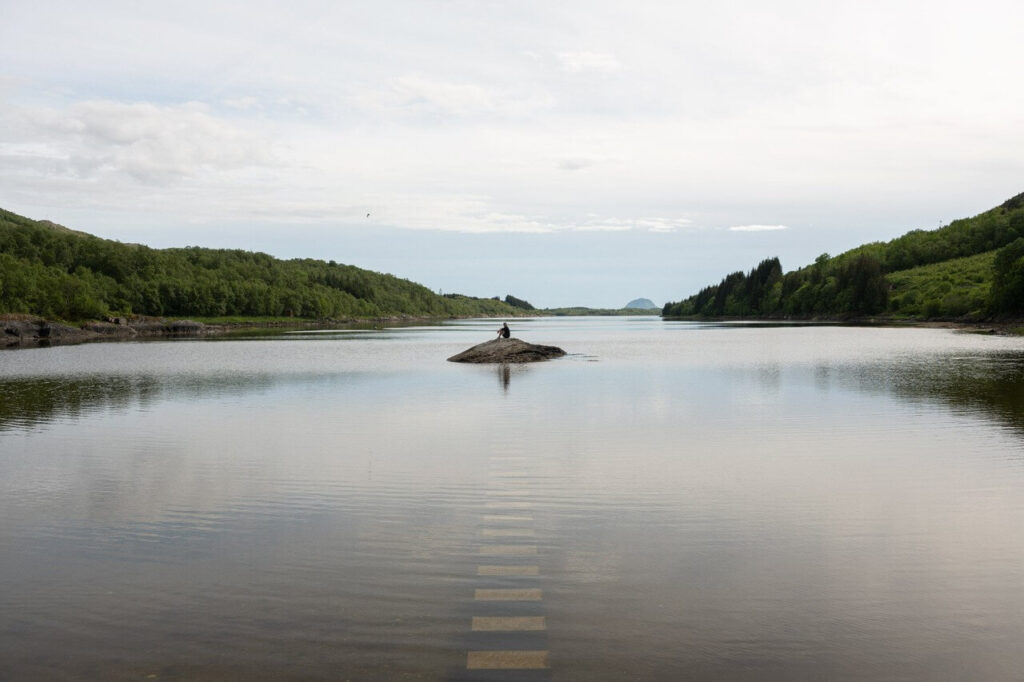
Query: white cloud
{"points": [[29, 150], [667, 226], [578, 62], [144, 141], [757, 228], [472, 217], [244, 103], [603, 226], [414, 95], [596, 223], [575, 163]]}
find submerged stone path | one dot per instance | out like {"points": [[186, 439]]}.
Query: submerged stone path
{"points": [[508, 628]]}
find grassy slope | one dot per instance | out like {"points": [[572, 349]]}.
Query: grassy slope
{"points": [[957, 287], [953, 288]]}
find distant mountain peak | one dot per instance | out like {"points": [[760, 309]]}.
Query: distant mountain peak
{"points": [[642, 303]]}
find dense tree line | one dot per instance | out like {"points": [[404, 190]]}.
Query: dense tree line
{"points": [[829, 287], [53, 272], [1008, 279], [859, 282], [518, 302]]}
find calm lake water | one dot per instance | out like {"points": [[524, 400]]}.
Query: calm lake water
{"points": [[670, 501]]}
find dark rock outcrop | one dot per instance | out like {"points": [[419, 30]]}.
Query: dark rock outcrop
{"points": [[511, 350], [111, 330], [37, 332], [185, 327]]}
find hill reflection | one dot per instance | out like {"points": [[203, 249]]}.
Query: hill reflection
{"points": [[30, 402], [991, 386]]}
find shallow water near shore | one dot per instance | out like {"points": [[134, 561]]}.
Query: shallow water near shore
{"points": [[672, 500]]}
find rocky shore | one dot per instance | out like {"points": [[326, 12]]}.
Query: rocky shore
{"points": [[38, 332], [28, 331]]}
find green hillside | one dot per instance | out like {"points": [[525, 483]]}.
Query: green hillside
{"points": [[955, 288], [57, 273], [972, 268]]}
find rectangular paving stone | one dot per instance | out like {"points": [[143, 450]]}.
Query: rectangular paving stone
{"points": [[507, 532], [508, 550], [506, 518], [507, 570], [509, 623], [507, 660], [508, 594]]}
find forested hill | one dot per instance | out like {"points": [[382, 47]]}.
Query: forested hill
{"points": [[972, 268], [57, 273]]}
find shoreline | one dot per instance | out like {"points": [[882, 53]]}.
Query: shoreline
{"points": [[27, 331], [1008, 327]]}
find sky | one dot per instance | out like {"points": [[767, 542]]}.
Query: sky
{"points": [[567, 153]]}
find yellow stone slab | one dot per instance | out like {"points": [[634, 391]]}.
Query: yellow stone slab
{"points": [[508, 594], [507, 570], [507, 660], [507, 532], [509, 623], [508, 550]]}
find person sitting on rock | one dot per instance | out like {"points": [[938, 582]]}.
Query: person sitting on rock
{"points": [[504, 332]]}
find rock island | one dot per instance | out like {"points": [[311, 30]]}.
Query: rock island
{"points": [[509, 350]]}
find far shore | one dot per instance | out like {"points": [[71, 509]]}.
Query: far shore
{"points": [[27, 331], [1003, 326]]}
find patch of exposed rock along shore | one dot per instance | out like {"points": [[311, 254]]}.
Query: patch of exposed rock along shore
{"points": [[37, 332], [501, 351], [27, 331]]}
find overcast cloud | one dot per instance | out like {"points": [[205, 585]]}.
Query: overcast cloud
{"points": [[567, 153]]}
